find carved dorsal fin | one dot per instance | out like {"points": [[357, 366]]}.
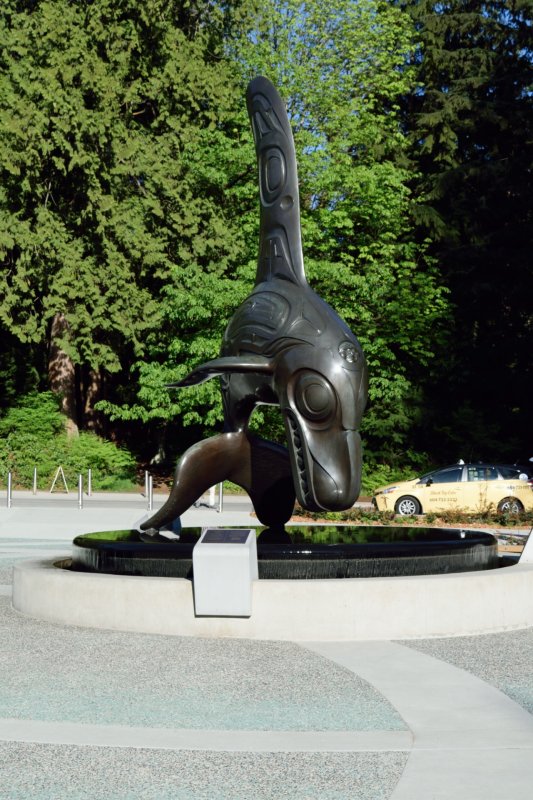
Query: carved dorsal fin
{"points": [[280, 246]]}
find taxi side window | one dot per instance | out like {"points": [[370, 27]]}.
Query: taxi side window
{"points": [[448, 475], [510, 472], [482, 473]]}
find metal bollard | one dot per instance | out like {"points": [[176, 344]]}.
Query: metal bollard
{"points": [[89, 482], [9, 490], [220, 495], [146, 483], [150, 493], [35, 480], [80, 491]]}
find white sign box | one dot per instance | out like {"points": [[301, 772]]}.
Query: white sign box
{"points": [[224, 563]]}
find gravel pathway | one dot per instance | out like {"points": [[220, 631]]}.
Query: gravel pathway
{"points": [[505, 660], [43, 772]]}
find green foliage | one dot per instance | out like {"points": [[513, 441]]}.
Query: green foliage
{"points": [[471, 127], [112, 467], [128, 203], [33, 435], [118, 139], [66, 247], [375, 475], [486, 517], [35, 414], [342, 69]]}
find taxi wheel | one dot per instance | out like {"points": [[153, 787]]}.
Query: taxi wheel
{"points": [[510, 505], [407, 506]]}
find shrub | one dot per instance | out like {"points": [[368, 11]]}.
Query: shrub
{"points": [[375, 475], [112, 467], [33, 435], [35, 413], [363, 516]]}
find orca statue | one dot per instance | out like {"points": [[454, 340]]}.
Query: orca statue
{"points": [[284, 346]]}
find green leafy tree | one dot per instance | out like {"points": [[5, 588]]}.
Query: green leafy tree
{"points": [[342, 69], [128, 200]]}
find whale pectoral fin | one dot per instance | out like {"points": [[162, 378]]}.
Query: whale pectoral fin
{"points": [[205, 464], [219, 366], [262, 468]]}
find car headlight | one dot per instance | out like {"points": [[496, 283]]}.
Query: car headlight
{"points": [[386, 491]]}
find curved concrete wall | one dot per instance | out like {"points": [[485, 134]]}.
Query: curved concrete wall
{"points": [[323, 610]]}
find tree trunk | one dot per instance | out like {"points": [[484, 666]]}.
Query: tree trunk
{"points": [[92, 391], [61, 374]]}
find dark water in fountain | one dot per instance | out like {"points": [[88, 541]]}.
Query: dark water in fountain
{"points": [[301, 552]]}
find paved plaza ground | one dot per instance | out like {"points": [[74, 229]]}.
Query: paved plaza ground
{"points": [[105, 714]]}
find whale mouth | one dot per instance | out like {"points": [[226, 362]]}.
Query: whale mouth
{"points": [[300, 460], [305, 470], [316, 488]]}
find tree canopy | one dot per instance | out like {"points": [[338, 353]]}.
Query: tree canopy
{"points": [[342, 70], [129, 211], [471, 132], [114, 115]]}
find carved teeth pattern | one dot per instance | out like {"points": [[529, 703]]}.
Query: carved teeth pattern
{"points": [[297, 442]]}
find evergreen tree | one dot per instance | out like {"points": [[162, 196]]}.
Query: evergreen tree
{"points": [[342, 69], [114, 113], [128, 194], [471, 126]]}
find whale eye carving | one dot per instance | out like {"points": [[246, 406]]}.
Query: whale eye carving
{"points": [[315, 397], [349, 352]]}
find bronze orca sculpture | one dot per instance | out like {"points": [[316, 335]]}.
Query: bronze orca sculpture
{"points": [[284, 346]]}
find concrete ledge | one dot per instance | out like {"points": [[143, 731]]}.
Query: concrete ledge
{"points": [[323, 610]]}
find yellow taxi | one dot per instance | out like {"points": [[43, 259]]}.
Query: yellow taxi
{"points": [[464, 487]]}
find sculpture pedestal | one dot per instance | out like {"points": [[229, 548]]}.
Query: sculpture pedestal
{"points": [[224, 566]]}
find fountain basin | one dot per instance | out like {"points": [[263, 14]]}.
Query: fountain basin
{"points": [[346, 609], [351, 609], [309, 553]]}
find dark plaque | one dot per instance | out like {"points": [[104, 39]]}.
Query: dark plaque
{"points": [[225, 536]]}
